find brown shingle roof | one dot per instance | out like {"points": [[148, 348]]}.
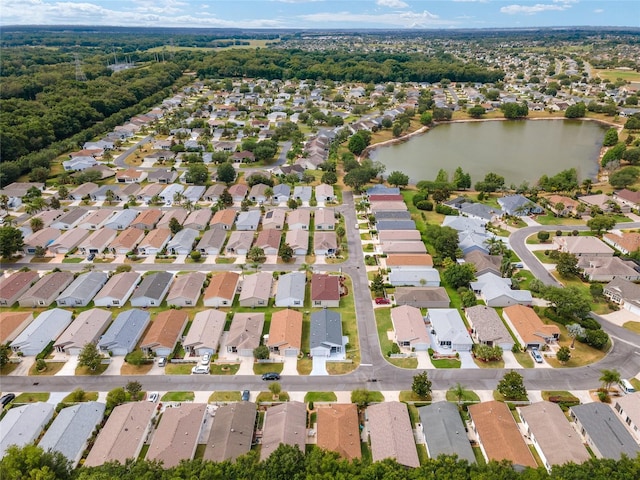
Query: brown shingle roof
{"points": [[148, 218], [529, 325], [231, 434], [14, 285], [165, 329], [224, 217], [338, 429], [325, 287], [391, 433], [399, 260], [222, 285], [12, 323], [286, 329], [285, 423]]}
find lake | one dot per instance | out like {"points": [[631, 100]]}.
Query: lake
{"points": [[519, 150]]}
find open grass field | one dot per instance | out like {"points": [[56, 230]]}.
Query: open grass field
{"points": [[252, 44], [613, 75]]}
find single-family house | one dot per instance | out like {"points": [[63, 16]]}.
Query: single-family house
{"points": [[239, 243], [180, 215], [627, 198], [186, 289], [168, 195], [487, 327], [15, 285], [123, 435], [82, 191], [131, 175], [496, 291], [149, 191], [40, 239], [68, 241], [256, 290], [519, 205], [152, 290], [479, 211], [624, 242], [48, 216], [248, 220], [269, 241], [408, 261], [258, 193], [95, 219], [223, 219], [281, 193], [70, 431], [603, 431], [464, 224], [425, 277], [302, 193], [484, 263], [471, 241], [212, 194], [628, 407], [212, 241], [325, 290], [552, 435], [299, 219], [562, 206], [298, 240], [245, 333], [117, 290], [273, 219], [198, 219], [399, 236], [324, 219], [97, 242], [448, 330], [605, 269], [121, 219], [291, 289], [46, 290], [165, 332], [205, 332], [154, 241], [23, 425], [86, 328], [529, 329], [386, 205], [324, 193], [193, 193], [393, 215], [68, 220], [123, 334], [410, 331], [164, 177], [382, 190], [108, 193], [12, 323], [285, 333], [444, 433], [182, 242], [238, 192], [625, 293], [391, 434], [127, 241], [498, 434], [601, 203], [231, 433], [403, 248], [326, 333], [338, 429], [82, 289], [422, 297], [286, 424], [148, 219], [583, 246], [398, 225], [325, 243], [45, 328], [221, 290]]}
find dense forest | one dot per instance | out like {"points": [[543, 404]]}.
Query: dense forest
{"points": [[289, 463]]}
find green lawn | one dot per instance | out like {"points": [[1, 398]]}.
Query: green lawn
{"points": [[178, 397], [320, 397], [383, 325], [266, 397], [446, 363], [260, 368], [87, 371], [633, 326], [223, 396], [551, 219], [496, 364], [224, 369], [409, 396], [88, 397], [467, 396], [32, 397], [524, 359], [52, 369], [178, 368]]}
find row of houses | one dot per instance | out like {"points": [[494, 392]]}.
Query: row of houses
{"points": [[233, 432]]}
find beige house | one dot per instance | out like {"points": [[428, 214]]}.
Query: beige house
{"points": [[185, 290], [338, 430], [391, 434], [256, 290], [245, 333], [221, 290], [164, 333]]}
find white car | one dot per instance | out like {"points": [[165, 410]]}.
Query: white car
{"points": [[206, 358], [153, 397], [199, 369], [536, 355]]}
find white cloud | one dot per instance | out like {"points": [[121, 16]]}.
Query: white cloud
{"points": [[470, 1], [598, 10], [422, 19], [392, 3], [533, 9], [298, 1]]}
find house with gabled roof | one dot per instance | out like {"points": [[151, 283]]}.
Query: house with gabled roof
{"points": [[448, 330], [70, 431], [324, 219], [12, 323], [239, 243], [409, 329], [422, 297], [42, 238], [198, 219], [628, 407], [102, 195], [117, 290], [496, 291], [299, 219], [69, 240], [152, 290], [164, 333], [529, 328], [23, 425], [86, 328], [180, 214], [205, 332], [519, 205], [95, 219], [258, 193], [121, 219], [625, 293], [212, 241], [15, 285], [273, 219], [603, 431], [444, 433], [186, 288], [148, 219], [325, 290], [498, 434], [84, 190], [221, 290], [480, 211], [403, 248], [231, 434], [256, 289], [487, 327], [46, 290], [425, 277], [194, 192], [45, 328], [248, 220], [625, 242], [123, 334], [154, 241], [131, 175], [238, 192], [245, 333], [98, 241], [123, 435], [408, 261], [552, 435], [399, 235], [223, 219], [298, 240], [212, 194], [484, 263], [338, 429], [302, 193], [281, 193], [324, 193], [325, 243], [82, 289], [583, 246], [269, 241], [182, 242], [69, 219], [127, 241], [285, 333], [393, 215], [391, 434], [326, 333], [47, 216], [291, 290], [627, 198], [286, 424]]}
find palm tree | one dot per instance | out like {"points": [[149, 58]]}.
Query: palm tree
{"points": [[36, 224], [109, 196], [459, 392], [608, 378]]}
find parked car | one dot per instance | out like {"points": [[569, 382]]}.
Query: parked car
{"points": [[200, 369], [206, 358], [7, 399], [153, 397], [162, 361], [536, 355], [91, 256], [245, 395], [382, 301], [271, 376]]}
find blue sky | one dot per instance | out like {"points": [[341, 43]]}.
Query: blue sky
{"points": [[312, 14]]}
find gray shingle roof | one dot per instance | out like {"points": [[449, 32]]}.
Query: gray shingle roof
{"points": [[444, 431]]}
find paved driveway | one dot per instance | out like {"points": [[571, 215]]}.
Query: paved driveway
{"points": [[319, 366], [466, 360]]}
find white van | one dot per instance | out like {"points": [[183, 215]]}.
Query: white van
{"points": [[626, 387]]}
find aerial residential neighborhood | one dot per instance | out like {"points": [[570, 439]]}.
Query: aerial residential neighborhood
{"points": [[250, 265]]}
